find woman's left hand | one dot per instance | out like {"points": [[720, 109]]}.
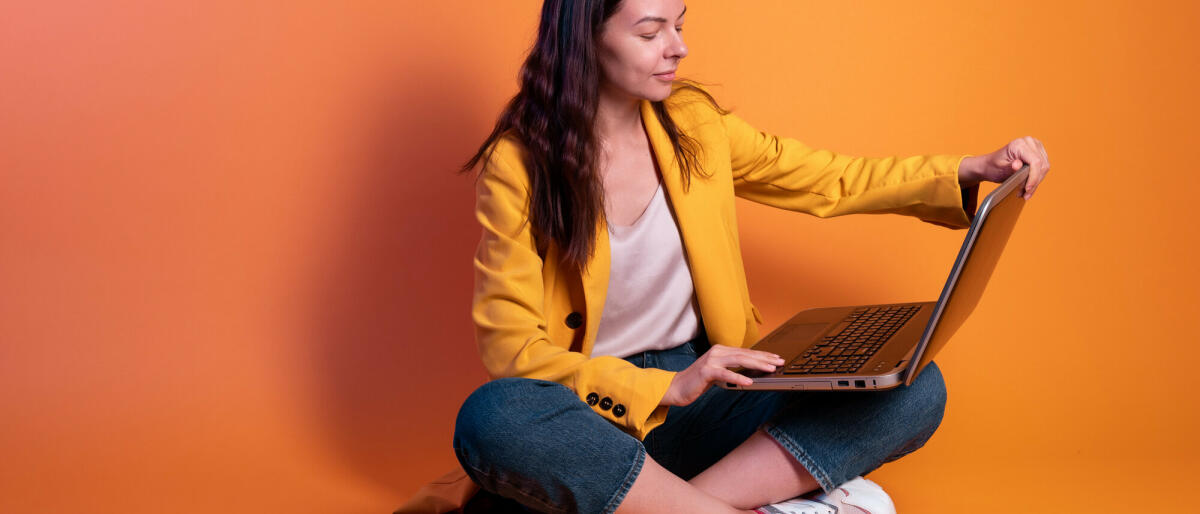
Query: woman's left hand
{"points": [[1001, 164]]}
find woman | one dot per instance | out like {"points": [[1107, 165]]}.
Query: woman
{"points": [[610, 294]]}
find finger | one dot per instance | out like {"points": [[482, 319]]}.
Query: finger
{"points": [[1037, 171], [733, 378], [728, 354], [767, 356], [1028, 153], [1045, 168], [754, 359], [1035, 180], [713, 374], [1032, 154], [757, 363], [1045, 156], [771, 359], [1040, 163], [744, 361]]}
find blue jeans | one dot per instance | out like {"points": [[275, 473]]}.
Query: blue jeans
{"points": [[534, 446]]}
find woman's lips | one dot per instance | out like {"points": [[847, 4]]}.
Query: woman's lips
{"points": [[666, 76]]}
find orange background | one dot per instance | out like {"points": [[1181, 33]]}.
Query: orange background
{"points": [[235, 261]]}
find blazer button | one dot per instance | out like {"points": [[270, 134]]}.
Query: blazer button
{"points": [[574, 320], [606, 403], [618, 410], [592, 398]]}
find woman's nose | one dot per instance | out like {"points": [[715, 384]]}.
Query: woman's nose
{"points": [[678, 48]]}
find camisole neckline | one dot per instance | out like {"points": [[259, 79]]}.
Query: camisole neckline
{"points": [[620, 230]]}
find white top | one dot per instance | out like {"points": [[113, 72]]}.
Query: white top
{"points": [[651, 303]]}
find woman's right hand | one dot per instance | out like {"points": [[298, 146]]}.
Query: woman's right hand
{"points": [[713, 366]]}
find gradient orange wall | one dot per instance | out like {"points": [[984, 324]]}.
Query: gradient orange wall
{"points": [[235, 263]]}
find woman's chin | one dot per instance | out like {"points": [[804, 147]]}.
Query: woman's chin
{"points": [[660, 94]]}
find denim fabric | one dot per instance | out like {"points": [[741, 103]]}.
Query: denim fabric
{"points": [[534, 446]]}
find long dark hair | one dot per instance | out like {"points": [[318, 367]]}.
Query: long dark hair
{"points": [[552, 116]]}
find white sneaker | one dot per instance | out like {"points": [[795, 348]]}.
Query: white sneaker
{"points": [[856, 496], [797, 505]]}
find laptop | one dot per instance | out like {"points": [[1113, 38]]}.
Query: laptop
{"points": [[865, 347]]}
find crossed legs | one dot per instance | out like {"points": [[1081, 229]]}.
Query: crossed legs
{"points": [[577, 461], [756, 473]]}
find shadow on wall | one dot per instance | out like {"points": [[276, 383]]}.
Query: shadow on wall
{"points": [[391, 337]]}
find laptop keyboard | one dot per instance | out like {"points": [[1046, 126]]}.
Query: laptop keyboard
{"points": [[848, 350]]}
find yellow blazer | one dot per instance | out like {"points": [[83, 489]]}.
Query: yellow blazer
{"points": [[536, 320]]}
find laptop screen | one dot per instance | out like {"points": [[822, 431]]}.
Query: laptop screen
{"points": [[977, 257]]}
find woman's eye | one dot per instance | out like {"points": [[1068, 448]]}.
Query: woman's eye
{"points": [[651, 36]]}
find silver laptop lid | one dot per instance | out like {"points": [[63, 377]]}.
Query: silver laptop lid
{"points": [[981, 248]]}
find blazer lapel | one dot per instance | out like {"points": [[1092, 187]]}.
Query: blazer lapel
{"points": [[595, 286], [704, 239]]}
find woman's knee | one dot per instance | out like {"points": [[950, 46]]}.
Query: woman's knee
{"points": [[498, 413], [926, 404], [930, 394]]}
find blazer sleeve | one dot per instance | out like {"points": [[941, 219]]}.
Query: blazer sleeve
{"points": [[508, 311], [783, 172]]}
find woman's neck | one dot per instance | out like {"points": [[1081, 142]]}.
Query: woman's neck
{"points": [[618, 116]]}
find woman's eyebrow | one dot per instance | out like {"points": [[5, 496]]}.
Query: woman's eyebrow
{"points": [[659, 18]]}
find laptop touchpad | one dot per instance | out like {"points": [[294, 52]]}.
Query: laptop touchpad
{"points": [[792, 338]]}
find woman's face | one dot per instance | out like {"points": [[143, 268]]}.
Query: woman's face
{"points": [[640, 47]]}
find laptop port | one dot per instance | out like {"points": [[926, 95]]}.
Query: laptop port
{"points": [[860, 384], [844, 383]]}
